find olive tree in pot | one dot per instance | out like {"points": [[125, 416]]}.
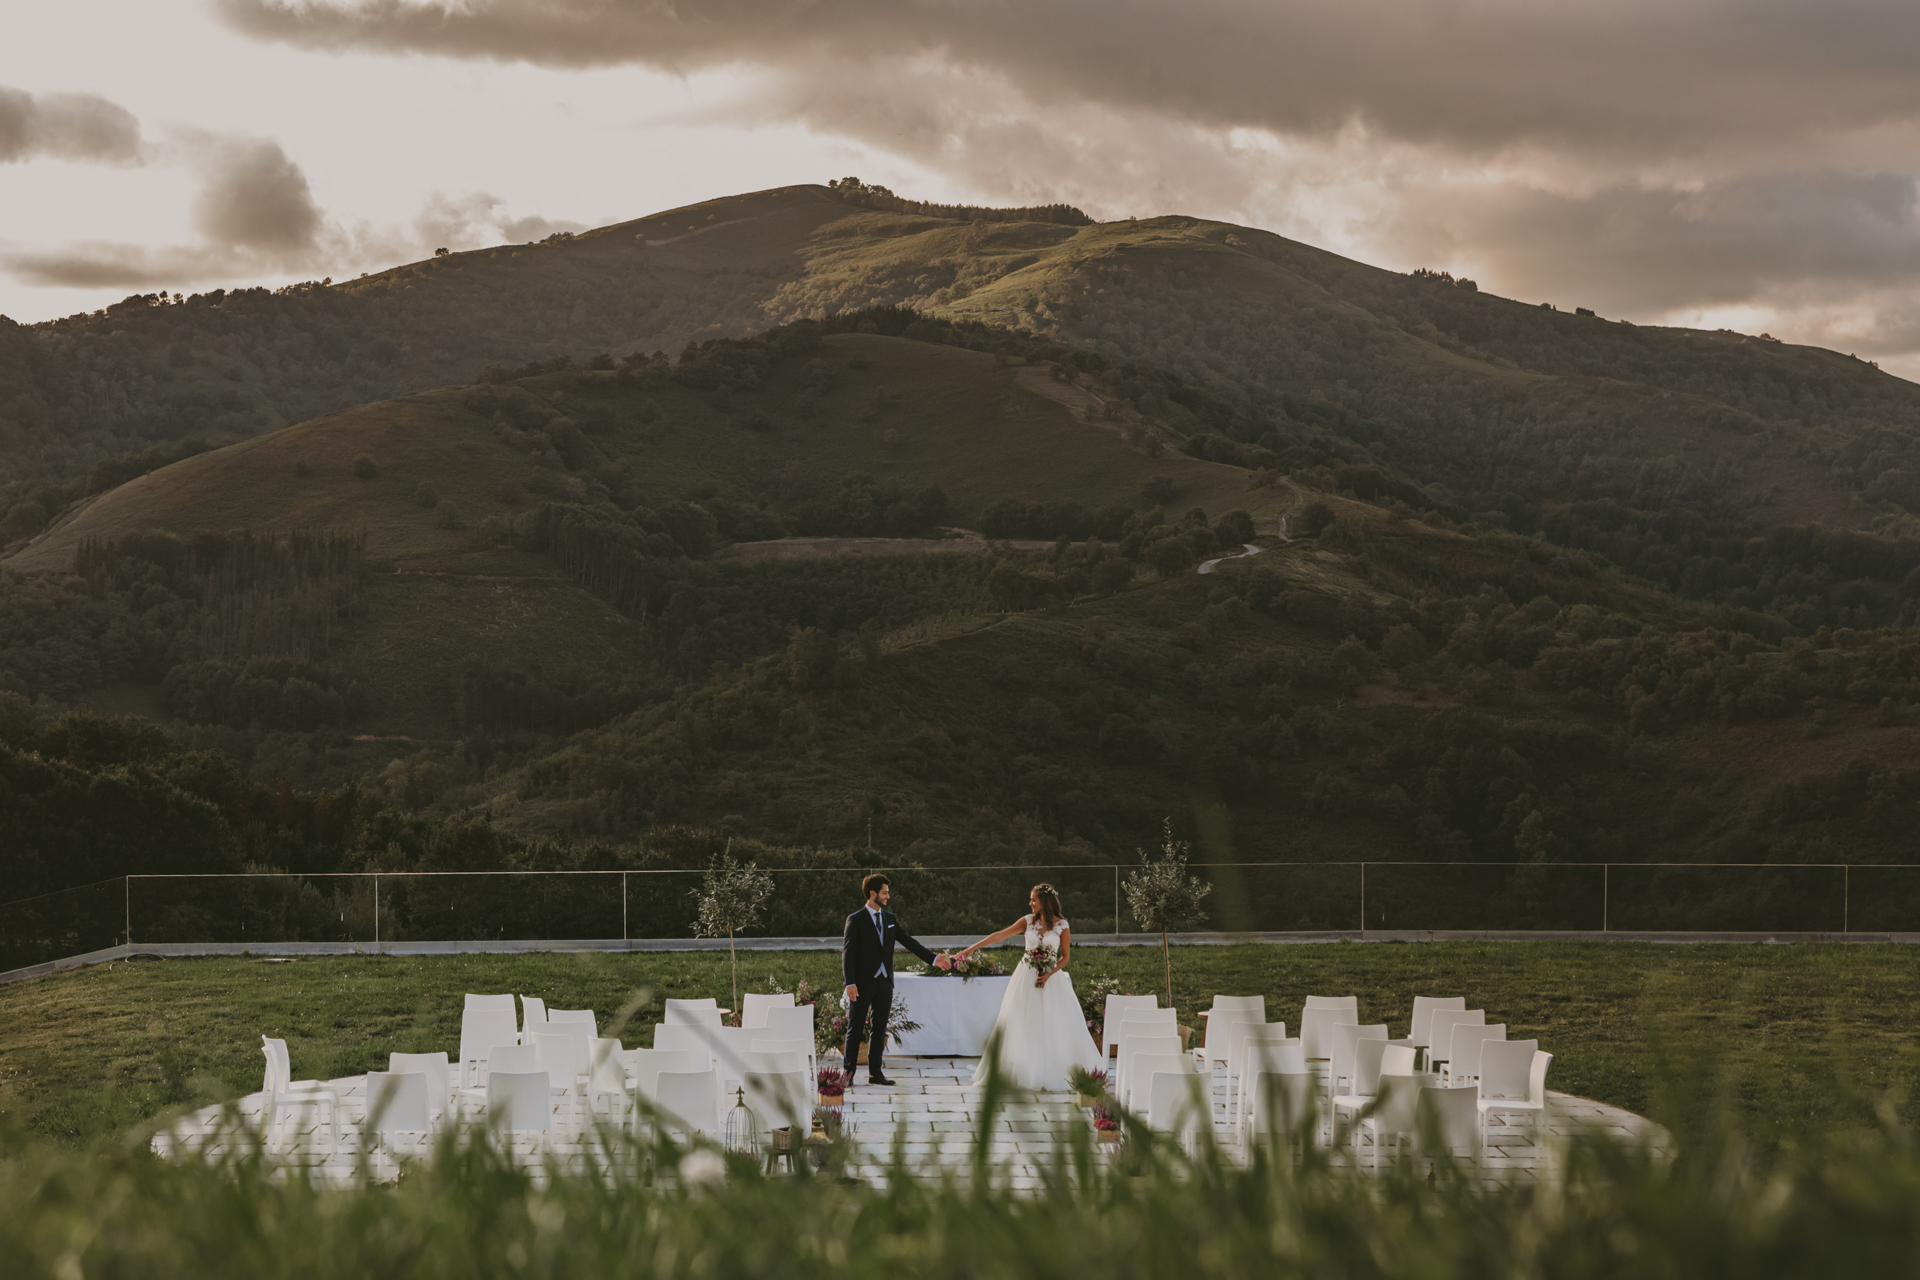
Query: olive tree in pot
{"points": [[730, 897], [1164, 898]]}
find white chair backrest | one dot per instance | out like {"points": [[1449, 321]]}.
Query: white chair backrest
{"points": [[1468, 1042], [1367, 1055], [434, 1067], [1537, 1079], [1175, 1103], [696, 1016], [800, 1050], [680, 1036], [574, 1016], [1169, 1019], [649, 1063], [1423, 1007], [1115, 1013], [1279, 1100], [754, 1007], [1344, 1037], [1399, 1098], [1244, 1032], [1350, 1003], [519, 1100], [1397, 1060], [1278, 1053], [562, 1057], [1316, 1026], [794, 1023], [606, 1066], [688, 1101], [278, 1074], [482, 1029], [1136, 1043], [1142, 1068], [398, 1102], [1226, 1011], [514, 1059], [1505, 1066], [1440, 1028], [1450, 1117], [780, 1098], [533, 1014], [489, 1004]]}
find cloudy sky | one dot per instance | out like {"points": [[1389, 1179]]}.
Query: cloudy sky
{"points": [[1748, 163]]}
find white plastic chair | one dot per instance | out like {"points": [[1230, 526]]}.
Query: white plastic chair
{"points": [[1140, 1069], [1423, 1010], [282, 1095], [399, 1103], [1345, 1036], [780, 1100], [1226, 1011], [1132, 1045], [566, 1056], [650, 1063], [1364, 1086], [1316, 1028], [1513, 1081], [1255, 1043], [1440, 1027], [795, 1024], [1463, 1061], [607, 1079], [1112, 1016], [514, 1059], [1176, 1101], [798, 1052], [521, 1102], [480, 1031], [1350, 1003], [1277, 1102], [1447, 1119], [754, 1007], [489, 1004], [555, 1017], [1398, 1102], [688, 1102], [439, 1083], [1144, 1022], [533, 1014]]}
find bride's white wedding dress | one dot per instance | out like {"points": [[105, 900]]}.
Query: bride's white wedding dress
{"points": [[1042, 1032]]}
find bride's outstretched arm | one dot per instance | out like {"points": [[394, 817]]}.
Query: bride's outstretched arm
{"points": [[1016, 927]]}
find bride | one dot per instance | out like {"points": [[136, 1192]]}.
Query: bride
{"points": [[1041, 1032]]}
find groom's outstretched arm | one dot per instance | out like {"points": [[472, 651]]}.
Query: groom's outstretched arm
{"points": [[912, 943]]}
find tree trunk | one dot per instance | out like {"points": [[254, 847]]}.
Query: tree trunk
{"points": [[734, 956], [1166, 950]]}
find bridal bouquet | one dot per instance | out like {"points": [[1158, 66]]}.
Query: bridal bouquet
{"points": [[1043, 961]]}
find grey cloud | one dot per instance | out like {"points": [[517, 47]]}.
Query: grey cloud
{"points": [[1635, 77], [254, 198], [66, 126]]}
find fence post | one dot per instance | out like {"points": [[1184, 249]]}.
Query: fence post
{"points": [[623, 907], [1363, 902], [1116, 902], [376, 911], [1846, 890], [1606, 885], [126, 883]]}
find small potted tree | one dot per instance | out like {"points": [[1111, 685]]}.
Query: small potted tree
{"points": [[730, 897], [1165, 899]]}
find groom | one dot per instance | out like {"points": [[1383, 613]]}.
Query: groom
{"points": [[866, 966]]}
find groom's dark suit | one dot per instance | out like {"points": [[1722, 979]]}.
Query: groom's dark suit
{"points": [[866, 962]]}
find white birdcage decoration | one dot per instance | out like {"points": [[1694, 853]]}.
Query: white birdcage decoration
{"points": [[741, 1132]]}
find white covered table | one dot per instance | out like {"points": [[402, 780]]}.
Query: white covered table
{"points": [[955, 1014]]}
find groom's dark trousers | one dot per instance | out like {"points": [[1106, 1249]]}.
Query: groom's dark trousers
{"points": [[866, 962]]}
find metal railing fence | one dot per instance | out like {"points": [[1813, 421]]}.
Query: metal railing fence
{"points": [[1263, 897]]}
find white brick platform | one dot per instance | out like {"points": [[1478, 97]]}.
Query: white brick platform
{"points": [[931, 1117]]}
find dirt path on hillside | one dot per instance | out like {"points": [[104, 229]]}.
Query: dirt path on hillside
{"points": [[821, 548]]}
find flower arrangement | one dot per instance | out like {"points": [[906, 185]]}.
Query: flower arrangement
{"points": [[1105, 1127], [1091, 1086], [981, 964], [831, 1085], [1042, 960]]}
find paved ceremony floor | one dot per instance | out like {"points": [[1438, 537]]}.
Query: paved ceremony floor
{"points": [[931, 1115]]}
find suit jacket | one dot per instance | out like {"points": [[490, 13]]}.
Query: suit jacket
{"points": [[863, 951]]}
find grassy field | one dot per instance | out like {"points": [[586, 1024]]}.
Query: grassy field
{"points": [[1774, 1040]]}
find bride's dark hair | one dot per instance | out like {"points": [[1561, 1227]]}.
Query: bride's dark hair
{"points": [[1050, 912]]}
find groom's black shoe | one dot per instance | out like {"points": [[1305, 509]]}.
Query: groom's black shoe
{"points": [[878, 1080]]}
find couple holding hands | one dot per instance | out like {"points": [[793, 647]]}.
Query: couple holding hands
{"points": [[1041, 1032]]}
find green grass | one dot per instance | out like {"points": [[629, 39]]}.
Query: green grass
{"points": [[1795, 1039]]}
